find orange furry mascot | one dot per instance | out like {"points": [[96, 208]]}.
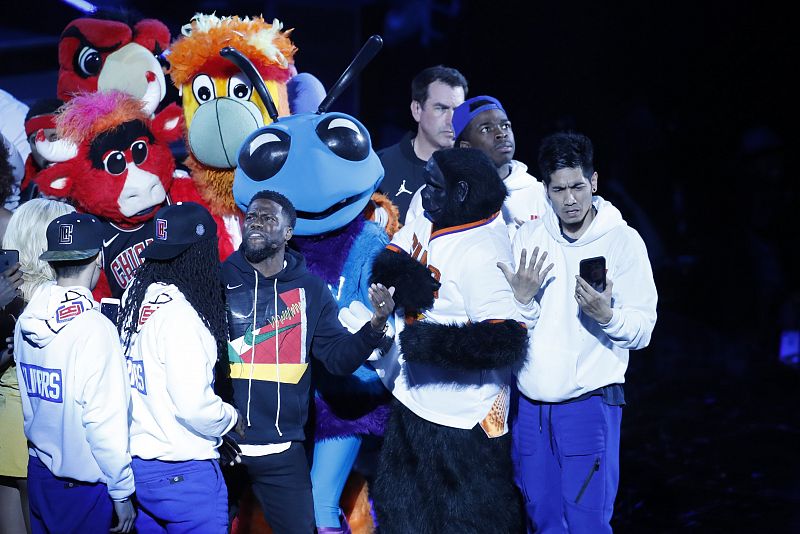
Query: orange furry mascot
{"points": [[219, 105]]}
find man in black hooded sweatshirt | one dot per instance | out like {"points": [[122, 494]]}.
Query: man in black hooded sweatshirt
{"points": [[279, 316]]}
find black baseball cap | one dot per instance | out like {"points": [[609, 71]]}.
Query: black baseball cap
{"points": [[74, 236], [178, 227]]}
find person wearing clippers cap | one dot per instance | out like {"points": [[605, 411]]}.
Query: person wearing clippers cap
{"points": [[74, 391], [173, 331]]}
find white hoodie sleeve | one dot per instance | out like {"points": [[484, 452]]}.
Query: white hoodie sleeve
{"points": [[105, 398], [189, 361], [634, 296]]}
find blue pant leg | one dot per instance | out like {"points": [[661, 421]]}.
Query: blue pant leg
{"points": [[536, 468], [147, 523], [333, 460], [180, 497], [614, 424], [587, 435], [64, 505]]}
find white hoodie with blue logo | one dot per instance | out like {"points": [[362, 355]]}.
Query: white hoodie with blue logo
{"points": [[74, 388], [176, 416]]}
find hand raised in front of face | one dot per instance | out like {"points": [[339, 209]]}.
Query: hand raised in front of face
{"points": [[525, 283]]}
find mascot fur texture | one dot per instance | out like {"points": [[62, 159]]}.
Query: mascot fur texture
{"points": [[220, 106], [434, 478], [325, 165], [87, 43], [113, 160]]}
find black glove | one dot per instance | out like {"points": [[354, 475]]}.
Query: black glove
{"points": [[415, 285], [229, 452]]}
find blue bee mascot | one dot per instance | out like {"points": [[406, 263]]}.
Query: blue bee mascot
{"points": [[324, 164]]}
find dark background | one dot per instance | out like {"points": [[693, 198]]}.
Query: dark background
{"points": [[688, 105]]}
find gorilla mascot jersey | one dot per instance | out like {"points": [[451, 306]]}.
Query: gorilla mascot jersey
{"points": [[324, 163], [445, 465]]}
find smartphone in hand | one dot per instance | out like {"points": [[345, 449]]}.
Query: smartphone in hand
{"points": [[8, 257], [110, 308], [593, 270]]}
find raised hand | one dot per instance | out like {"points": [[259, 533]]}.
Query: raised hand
{"points": [[525, 283], [382, 303]]}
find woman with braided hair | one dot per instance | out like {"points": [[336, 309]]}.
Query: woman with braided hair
{"points": [[174, 331]]}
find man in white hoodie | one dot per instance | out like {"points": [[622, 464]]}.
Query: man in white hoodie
{"points": [[566, 434], [482, 123], [75, 392]]}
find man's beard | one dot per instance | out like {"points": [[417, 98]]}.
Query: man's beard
{"points": [[259, 254]]}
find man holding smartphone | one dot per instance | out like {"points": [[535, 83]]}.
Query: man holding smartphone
{"points": [[566, 435]]}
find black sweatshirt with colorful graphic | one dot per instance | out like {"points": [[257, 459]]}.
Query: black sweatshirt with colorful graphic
{"points": [[271, 340]]}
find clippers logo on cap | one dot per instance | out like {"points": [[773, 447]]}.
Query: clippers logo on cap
{"points": [[161, 229], [65, 234]]}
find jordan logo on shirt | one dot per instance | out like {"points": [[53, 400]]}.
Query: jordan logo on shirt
{"points": [[403, 189]]}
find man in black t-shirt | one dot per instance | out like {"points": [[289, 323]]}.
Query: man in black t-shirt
{"points": [[435, 93]]}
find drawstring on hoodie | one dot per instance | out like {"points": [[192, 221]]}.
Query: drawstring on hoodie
{"points": [[277, 358], [252, 348], [277, 355]]}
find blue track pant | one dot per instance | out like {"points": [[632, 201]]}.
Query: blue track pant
{"points": [[64, 505], [333, 460], [566, 461], [177, 497]]}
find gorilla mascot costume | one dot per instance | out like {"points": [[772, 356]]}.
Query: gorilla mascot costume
{"points": [[446, 464]]}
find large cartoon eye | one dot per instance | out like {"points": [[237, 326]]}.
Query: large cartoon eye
{"points": [[239, 87], [265, 154], [344, 137], [203, 88], [115, 163], [139, 151], [89, 61]]}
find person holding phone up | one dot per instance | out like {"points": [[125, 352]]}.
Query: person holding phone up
{"points": [[566, 434]]}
